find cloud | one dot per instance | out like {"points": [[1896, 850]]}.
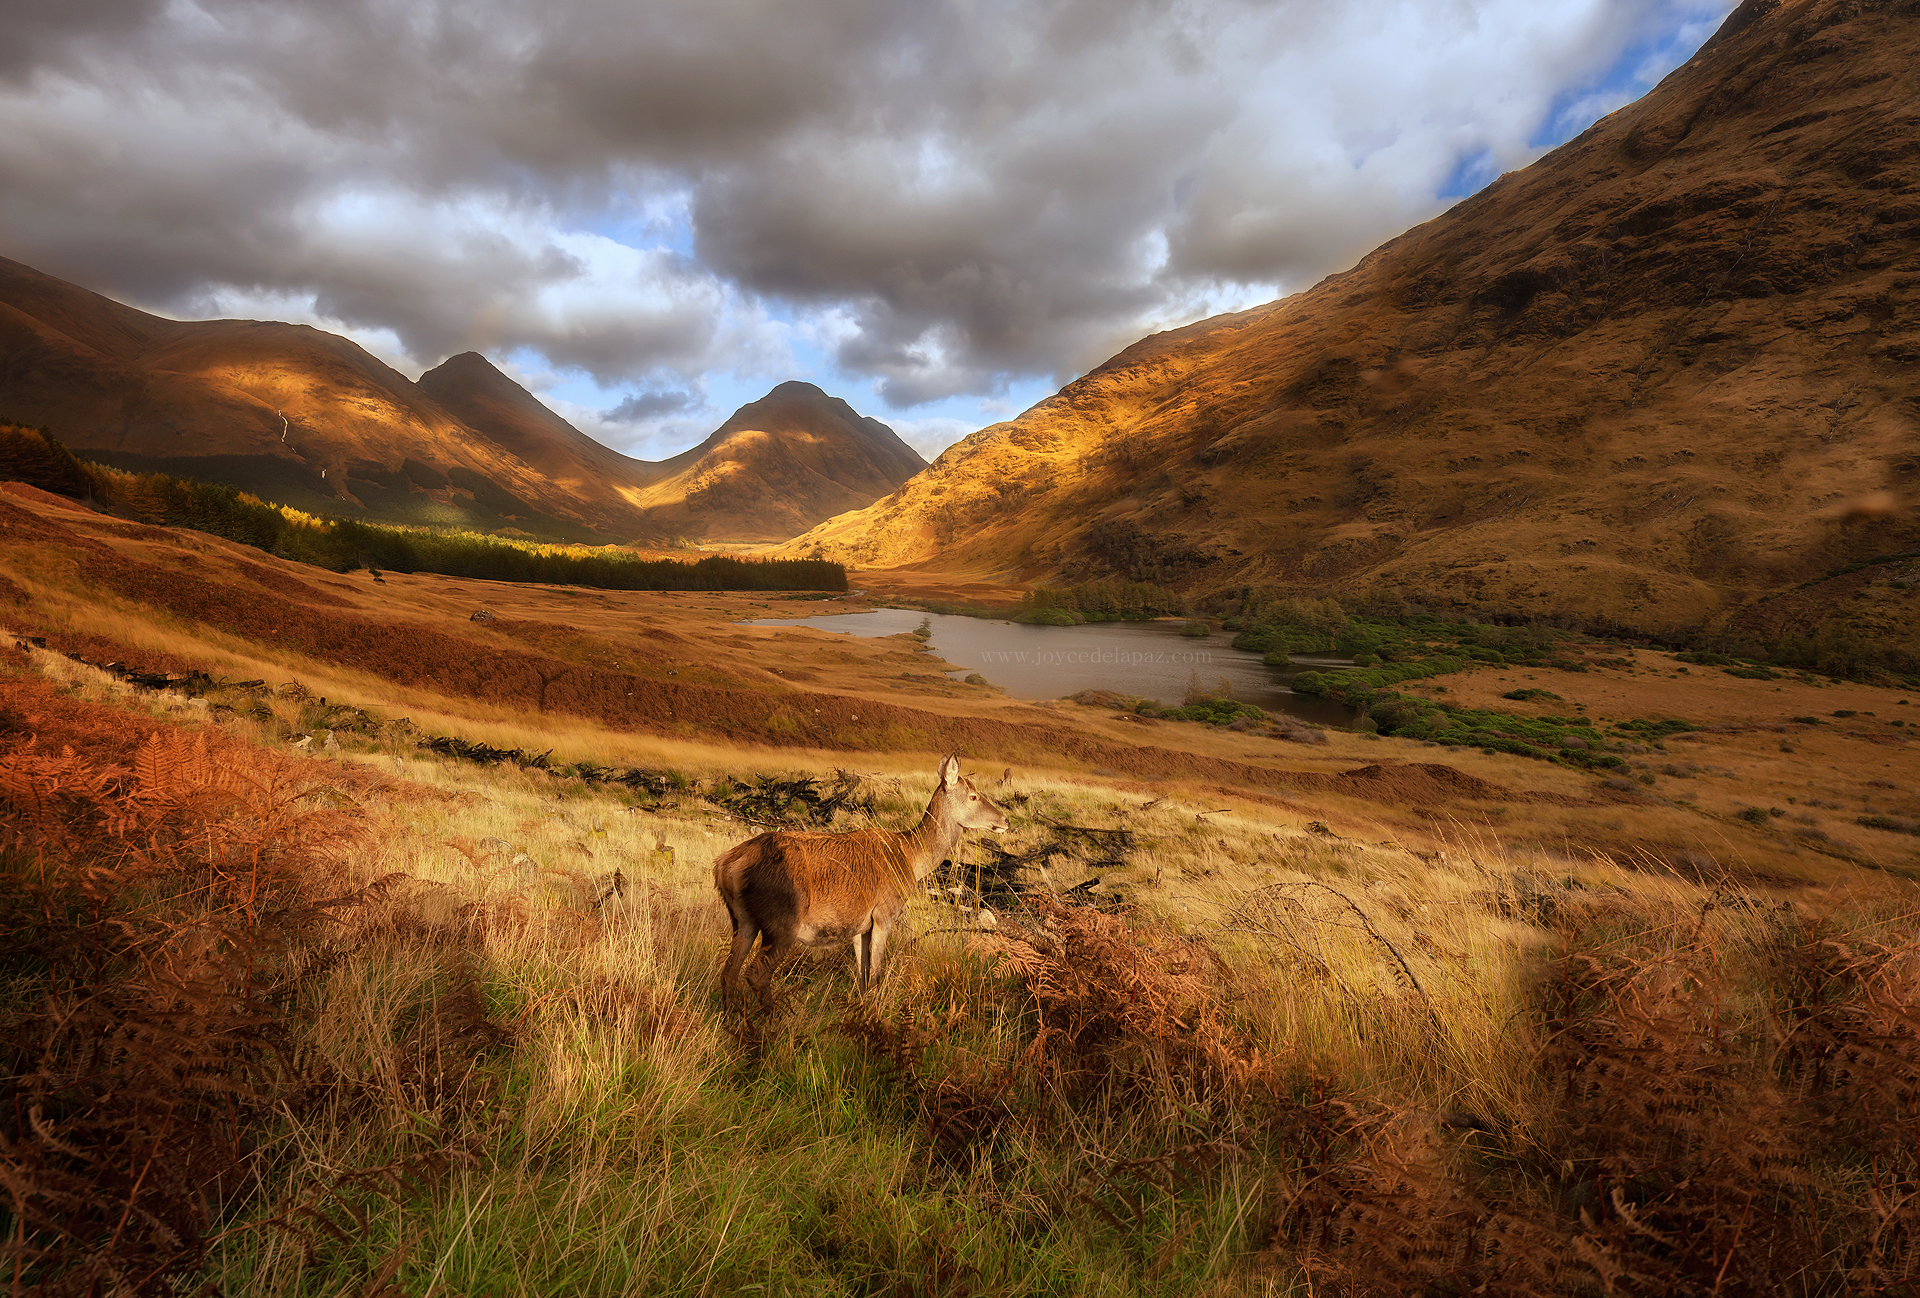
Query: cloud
{"points": [[931, 435], [643, 406], [39, 33], [940, 198]]}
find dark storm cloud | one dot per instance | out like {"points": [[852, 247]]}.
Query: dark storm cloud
{"points": [[939, 193], [42, 33]]}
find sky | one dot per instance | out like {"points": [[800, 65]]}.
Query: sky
{"points": [[650, 212]]}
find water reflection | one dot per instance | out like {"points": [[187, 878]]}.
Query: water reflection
{"points": [[1149, 659]]}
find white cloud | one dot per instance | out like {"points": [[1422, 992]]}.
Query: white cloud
{"points": [[933, 434]]}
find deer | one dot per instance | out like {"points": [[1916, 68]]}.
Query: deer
{"points": [[791, 888]]}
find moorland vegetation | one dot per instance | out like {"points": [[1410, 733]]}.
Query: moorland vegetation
{"points": [[388, 1022]]}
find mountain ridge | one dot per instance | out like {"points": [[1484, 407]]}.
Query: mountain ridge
{"points": [[311, 419], [1663, 371], [797, 440]]}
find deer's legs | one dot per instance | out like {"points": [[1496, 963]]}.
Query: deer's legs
{"points": [[870, 950], [774, 949], [744, 932]]}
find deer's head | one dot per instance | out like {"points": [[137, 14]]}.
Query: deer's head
{"points": [[967, 806]]}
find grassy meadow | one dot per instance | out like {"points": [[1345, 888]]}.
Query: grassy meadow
{"points": [[378, 1023]]}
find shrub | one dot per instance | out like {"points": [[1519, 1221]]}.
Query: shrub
{"points": [[1570, 740], [1103, 601], [1045, 617], [147, 916]]}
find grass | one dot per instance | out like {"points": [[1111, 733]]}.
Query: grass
{"points": [[1272, 1061]]}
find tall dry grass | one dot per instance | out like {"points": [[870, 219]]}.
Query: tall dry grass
{"points": [[439, 1050]]}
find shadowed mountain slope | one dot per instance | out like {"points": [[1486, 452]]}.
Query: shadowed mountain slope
{"points": [[1671, 366], [513, 419], [310, 419]]}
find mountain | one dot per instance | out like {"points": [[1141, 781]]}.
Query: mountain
{"points": [[310, 419], [780, 465], [298, 415], [486, 401], [1670, 367]]}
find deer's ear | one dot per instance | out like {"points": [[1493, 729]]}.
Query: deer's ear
{"points": [[950, 771]]}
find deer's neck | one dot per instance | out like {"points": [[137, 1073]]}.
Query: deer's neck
{"points": [[932, 841]]}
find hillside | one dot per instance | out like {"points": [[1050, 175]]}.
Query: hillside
{"points": [[468, 387], [293, 413], [781, 464], [310, 419], [1670, 367]]}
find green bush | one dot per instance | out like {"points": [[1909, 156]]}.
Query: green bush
{"points": [[1045, 617]]}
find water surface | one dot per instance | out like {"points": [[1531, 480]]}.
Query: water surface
{"points": [[1147, 659]]}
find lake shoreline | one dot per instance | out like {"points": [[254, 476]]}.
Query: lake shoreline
{"points": [[1149, 659]]}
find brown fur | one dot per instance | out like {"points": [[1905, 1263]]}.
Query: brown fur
{"points": [[791, 888]]}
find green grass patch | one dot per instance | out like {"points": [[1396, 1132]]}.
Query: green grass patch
{"points": [[1652, 730], [1572, 741]]}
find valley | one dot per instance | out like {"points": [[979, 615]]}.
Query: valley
{"points": [[511, 968], [1524, 904], [607, 675]]}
